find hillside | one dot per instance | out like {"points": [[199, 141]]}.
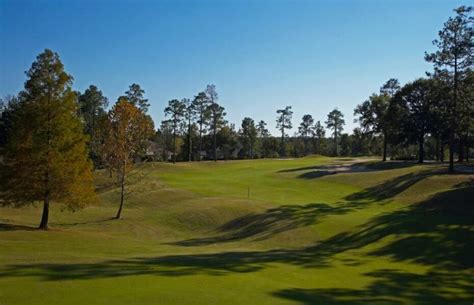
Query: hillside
{"points": [[314, 230]]}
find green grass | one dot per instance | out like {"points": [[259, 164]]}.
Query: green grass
{"points": [[252, 232]]}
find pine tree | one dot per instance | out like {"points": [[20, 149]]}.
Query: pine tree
{"points": [[335, 122], [319, 133], [176, 110], [200, 105], [283, 123], [454, 58], [92, 104], [46, 156], [305, 130]]}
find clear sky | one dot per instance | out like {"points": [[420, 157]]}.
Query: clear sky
{"points": [[261, 55]]}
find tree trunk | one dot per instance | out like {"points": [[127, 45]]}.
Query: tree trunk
{"points": [[437, 149], [461, 149], [200, 140], [384, 158], [215, 143], [282, 142], [190, 141], [467, 147], [122, 194], [455, 100], [421, 151], [335, 143], [45, 217], [451, 153], [174, 146], [441, 150], [306, 146]]}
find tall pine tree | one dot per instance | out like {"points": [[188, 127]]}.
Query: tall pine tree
{"points": [[46, 155]]}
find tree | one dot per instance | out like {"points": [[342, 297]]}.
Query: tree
{"points": [[216, 116], [468, 109], [265, 140], [361, 142], [189, 114], [346, 144], [211, 94], [374, 112], [200, 105], [284, 122], [319, 133], [335, 122], [129, 129], [415, 98], [439, 114], [248, 133], [390, 88], [262, 131], [7, 110], [164, 136], [227, 138], [176, 110], [454, 58], [135, 95], [373, 117], [92, 106], [305, 130], [46, 155]]}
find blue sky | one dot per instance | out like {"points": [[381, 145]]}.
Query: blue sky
{"points": [[261, 55]]}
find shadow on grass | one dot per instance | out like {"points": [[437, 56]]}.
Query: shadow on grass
{"points": [[437, 234], [313, 172], [284, 218], [440, 240], [91, 222], [13, 227], [391, 287], [269, 223], [395, 186], [460, 199], [389, 188]]}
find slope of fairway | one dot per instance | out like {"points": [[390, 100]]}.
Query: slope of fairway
{"points": [[305, 231]]}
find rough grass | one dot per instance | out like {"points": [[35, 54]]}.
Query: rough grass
{"points": [[306, 231]]}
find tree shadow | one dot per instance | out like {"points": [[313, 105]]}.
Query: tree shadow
{"points": [[460, 199], [395, 186], [269, 223], [91, 222], [391, 287], [13, 227], [313, 172], [389, 188]]}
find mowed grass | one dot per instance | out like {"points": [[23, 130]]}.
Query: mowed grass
{"points": [[313, 230]]}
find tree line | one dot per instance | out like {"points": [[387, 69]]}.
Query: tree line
{"points": [[433, 113], [52, 137]]}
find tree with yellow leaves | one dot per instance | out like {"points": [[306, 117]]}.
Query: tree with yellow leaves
{"points": [[128, 131]]}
